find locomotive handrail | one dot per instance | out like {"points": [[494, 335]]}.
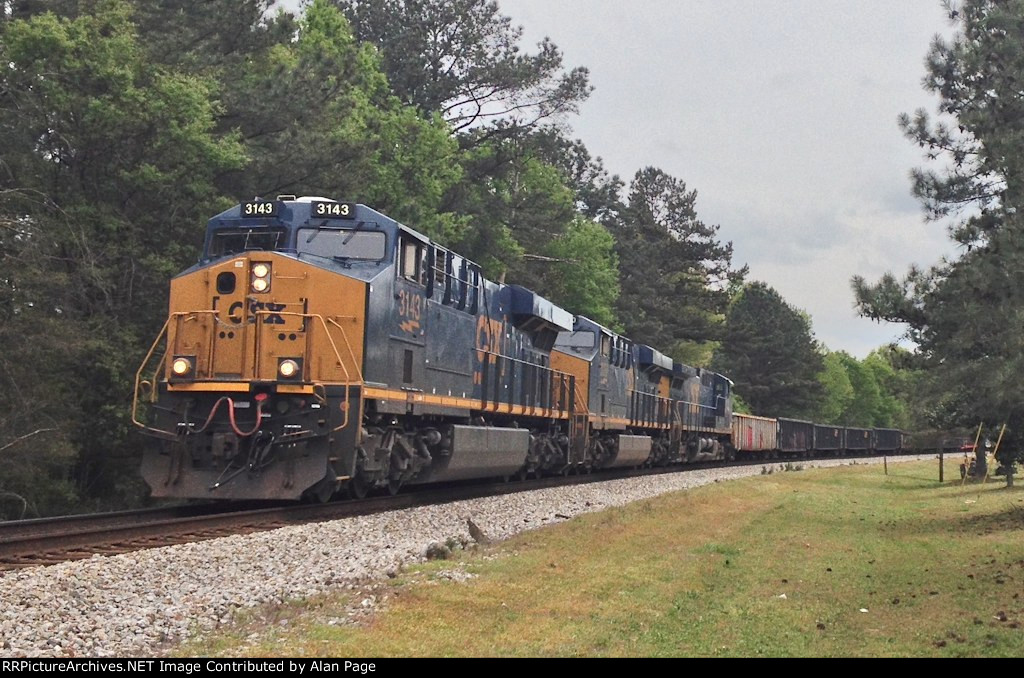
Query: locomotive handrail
{"points": [[690, 405], [485, 359], [346, 406], [660, 403], [348, 345], [580, 399], [156, 372], [138, 379]]}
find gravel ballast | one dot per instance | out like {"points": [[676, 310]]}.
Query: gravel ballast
{"points": [[135, 603]]}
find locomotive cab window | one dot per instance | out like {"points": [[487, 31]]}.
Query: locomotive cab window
{"points": [[411, 265], [342, 244], [606, 346], [244, 240]]}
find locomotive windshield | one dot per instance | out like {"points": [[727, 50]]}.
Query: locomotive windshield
{"points": [[342, 244], [243, 240]]}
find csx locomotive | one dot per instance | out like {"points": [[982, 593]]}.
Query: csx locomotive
{"points": [[320, 346]]}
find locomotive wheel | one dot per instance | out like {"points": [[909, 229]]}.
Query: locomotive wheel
{"points": [[320, 493], [394, 485], [358, 488]]}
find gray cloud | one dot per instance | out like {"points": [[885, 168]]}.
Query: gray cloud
{"points": [[782, 115]]}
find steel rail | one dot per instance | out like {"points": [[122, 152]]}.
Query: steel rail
{"points": [[46, 541]]}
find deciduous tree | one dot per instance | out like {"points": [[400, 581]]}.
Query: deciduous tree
{"points": [[586, 272], [108, 171]]}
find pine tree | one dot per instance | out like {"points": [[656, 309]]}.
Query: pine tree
{"points": [[461, 59], [965, 314], [675, 273], [770, 354]]}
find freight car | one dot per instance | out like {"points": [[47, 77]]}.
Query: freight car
{"points": [[796, 438], [767, 438], [321, 347], [829, 439], [859, 440], [755, 436], [887, 440]]}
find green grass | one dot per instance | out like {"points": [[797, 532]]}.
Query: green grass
{"points": [[702, 573]]}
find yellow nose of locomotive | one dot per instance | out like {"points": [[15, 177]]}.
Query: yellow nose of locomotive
{"points": [[260, 384], [259, 318]]}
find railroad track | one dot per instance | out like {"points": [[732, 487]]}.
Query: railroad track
{"points": [[46, 541]]}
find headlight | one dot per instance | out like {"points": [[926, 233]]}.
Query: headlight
{"points": [[181, 366], [260, 277], [289, 369]]}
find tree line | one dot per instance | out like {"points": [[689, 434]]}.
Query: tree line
{"points": [[127, 123], [779, 369]]}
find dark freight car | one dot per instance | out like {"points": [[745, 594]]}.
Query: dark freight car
{"points": [[888, 440], [795, 436], [828, 438], [859, 439]]}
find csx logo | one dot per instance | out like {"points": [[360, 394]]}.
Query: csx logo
{"points": [[271, 318]]}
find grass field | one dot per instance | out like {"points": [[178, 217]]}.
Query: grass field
{"points": [[838, 562]]}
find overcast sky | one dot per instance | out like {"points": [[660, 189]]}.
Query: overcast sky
{"points": [[782, 115]]}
